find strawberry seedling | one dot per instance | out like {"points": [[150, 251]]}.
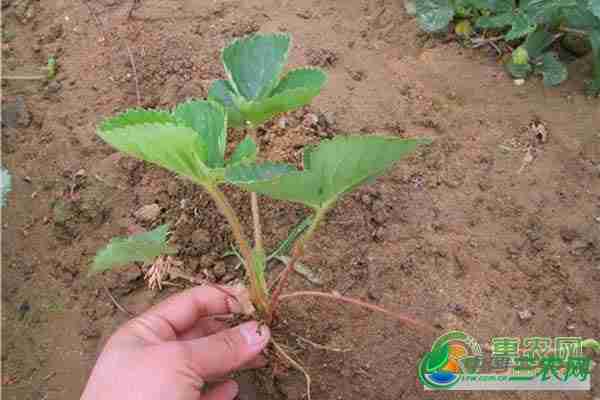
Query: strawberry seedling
{"points": [[191, 139]]}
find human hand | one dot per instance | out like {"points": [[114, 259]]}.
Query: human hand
{"points": [[175, 348]]}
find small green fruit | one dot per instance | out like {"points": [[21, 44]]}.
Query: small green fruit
{"points": [[464, 28], [520, 56]]}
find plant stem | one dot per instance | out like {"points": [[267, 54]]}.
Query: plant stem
{"points": [[225, 208], [258, 242], [297, 253], [236, 226], [574, 31], [350, 300]]}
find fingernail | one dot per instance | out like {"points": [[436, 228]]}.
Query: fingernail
{"points": [[253, 334]]}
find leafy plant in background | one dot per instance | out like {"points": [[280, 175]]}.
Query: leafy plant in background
{"points": [[191, 141], [5, 186], [534, 25]]}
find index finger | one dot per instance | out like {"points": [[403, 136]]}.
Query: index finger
{"points": [[177, 314]]}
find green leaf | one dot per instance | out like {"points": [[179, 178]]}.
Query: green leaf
{"points": [[295, 90], [438, 357], [580, 17], [502, 6], [434, 15], [478, 4], [137, 116], [5, 186], [254, 63], [157, 137], [222, 92], [249, 173], [286, 245], [496, 21], [331, 169], [537, 42], [301, 78], [245, 151], [553, 70], [143, 247], [594, 86], [547, 11], [594, 7], [518, 70], [521, 26], [254, 92], [496, 6], [208, 119]]}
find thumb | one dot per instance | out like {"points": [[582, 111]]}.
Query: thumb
{"points": [[226, 351]]}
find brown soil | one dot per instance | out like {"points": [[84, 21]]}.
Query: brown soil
{"points": [[464, 235]]}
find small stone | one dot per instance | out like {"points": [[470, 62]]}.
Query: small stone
{"points": [[282, 122], [310, 120], [148, 213], [380, 234], [519, 82], [571, 327], [357, 75], [80, 173], [569, 309], [330, 119], [410, 7], [228, 277], [23, 309], [53, 87], [525, 315], [219, 270]]}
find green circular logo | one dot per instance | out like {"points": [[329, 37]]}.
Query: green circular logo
{"points": [[451, 356]]}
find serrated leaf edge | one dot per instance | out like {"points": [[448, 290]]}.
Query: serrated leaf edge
{"points": [[105, 125], [250, 37], [307, 68]]}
